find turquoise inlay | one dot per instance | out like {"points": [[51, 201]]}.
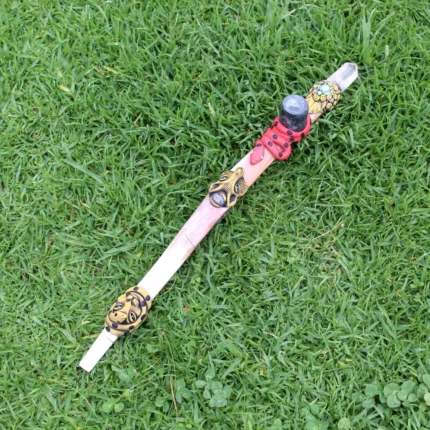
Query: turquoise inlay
{"points": [[324, 89]]}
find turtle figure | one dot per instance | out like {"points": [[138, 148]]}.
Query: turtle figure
{"points": [[323, 97]]}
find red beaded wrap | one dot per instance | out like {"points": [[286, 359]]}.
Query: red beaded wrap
{"points": [[277, 140]]}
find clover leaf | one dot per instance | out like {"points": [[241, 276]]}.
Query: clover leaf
{"points": [[402, 395], [408, 386], [421, 391], [393, 401], [344, 424], [372, 390], [390, 389]]}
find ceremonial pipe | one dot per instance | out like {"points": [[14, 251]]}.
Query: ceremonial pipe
{"points": [[296, 117]]}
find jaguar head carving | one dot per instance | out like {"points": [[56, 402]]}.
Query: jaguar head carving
{"points": [[128, 312]]}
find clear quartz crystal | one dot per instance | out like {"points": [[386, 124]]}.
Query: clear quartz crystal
{"points": [[345, 75]]}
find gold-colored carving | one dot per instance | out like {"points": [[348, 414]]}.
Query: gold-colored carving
{"points": [[128, 312], [229, 187], [323, 97]]}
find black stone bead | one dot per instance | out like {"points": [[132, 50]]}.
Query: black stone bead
{"points": [[115, 325], [275, 136], [135, 288], [259, 144], [289, 132], [270, 143], [286, 145], [291, 139], [281, 154], [147, 298], [294, 112], [107, 328]]}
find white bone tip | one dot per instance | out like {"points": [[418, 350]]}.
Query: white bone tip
{"points": [[98, 349]]}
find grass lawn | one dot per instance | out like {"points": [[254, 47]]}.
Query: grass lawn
{"points": [[302, 304]]}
